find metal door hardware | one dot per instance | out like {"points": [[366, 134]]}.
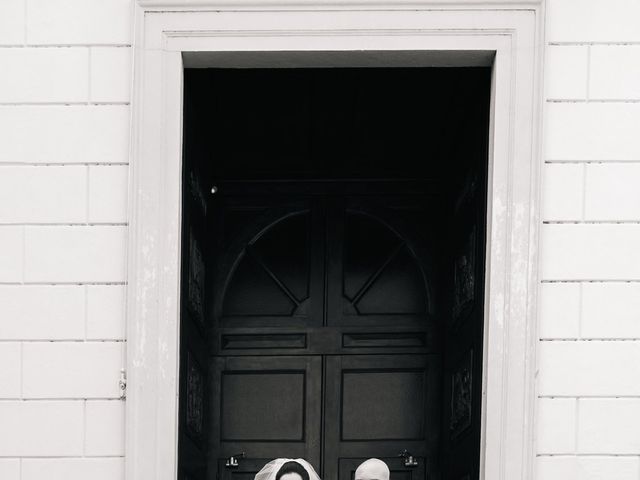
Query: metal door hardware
{"points": [[409, 459], [232, 461]]}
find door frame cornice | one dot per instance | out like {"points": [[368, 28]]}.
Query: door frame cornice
{"points": [[505, 34]]}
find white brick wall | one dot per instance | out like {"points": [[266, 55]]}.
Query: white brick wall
{"points": [[64, 116], [589, 350]]}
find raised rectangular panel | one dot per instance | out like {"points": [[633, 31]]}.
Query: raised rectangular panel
{"points": [[562, 192], [66, 134], [12, 23], [42, 428], [10, 373], [44, 75], [48, 194], [566, 71], [556, 425], [386, 396], [75, 254], [10, 468], [110, 74], [265, 406], [589, 368], [590, 252], [105, 312], [263, 341], [104, 428], [608, 426], [384, 340], [559, 314], [611, 310], [72, 468], [612, 192], [71, 369], [591, 131], [615, 72], [108, 193], [587, 468], [79, 22], [47, 312], [592, 21], [11, 253]]}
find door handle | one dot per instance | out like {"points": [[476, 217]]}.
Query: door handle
{"points": [[232, 461], [409, 460]]}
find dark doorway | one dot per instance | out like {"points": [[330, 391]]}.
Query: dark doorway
{"points": [[333, 259]]}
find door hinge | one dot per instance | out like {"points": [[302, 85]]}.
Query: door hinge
{"points": [[122, 383]]}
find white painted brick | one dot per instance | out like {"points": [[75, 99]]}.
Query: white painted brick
{"points": [[110, 74], [79, 21], [44, 75], [592, 20], [104, 428], [562, 191], [34, 312], [41, 428], [11, 253], [559, 310], [592, 131], [65, 134], [108, 193], [589, 368], [587, 468], [609, 426], [75, 254], [590, 252], [11, 23], [71, 370], [43, 194], [556, 425], [73, 468], [611, 310], [612, 192], [105, 312], [10, 468], [566, 72], [9, 370], [615, 72]]}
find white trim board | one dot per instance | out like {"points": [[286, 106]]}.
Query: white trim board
{"points": [[254, 33]]}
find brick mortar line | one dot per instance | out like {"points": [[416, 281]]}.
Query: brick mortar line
{"points": [[591, 222], [53, 284], [61, 399], [592, 280], [589, 455], [612, 43], [64, 104], [603, 162], [64, 224], [52, 46], [590, 397], [594, 100], [67, 164], [590, 339], [63, 340]]}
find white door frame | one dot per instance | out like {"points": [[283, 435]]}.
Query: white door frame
{"points": [[170, 33]]}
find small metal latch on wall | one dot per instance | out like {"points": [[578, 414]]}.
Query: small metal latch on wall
{"points": [[122, 383]]}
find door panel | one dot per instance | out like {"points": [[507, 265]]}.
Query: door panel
{"points": [[378, 406], [266, 407]]}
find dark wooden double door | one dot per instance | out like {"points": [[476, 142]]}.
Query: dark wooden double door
{"points": [[324, 342]]}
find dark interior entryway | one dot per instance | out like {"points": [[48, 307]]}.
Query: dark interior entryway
{"points": [[333, 257]]}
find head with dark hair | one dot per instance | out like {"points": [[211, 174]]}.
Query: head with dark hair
{"points": [[292, 470]]}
